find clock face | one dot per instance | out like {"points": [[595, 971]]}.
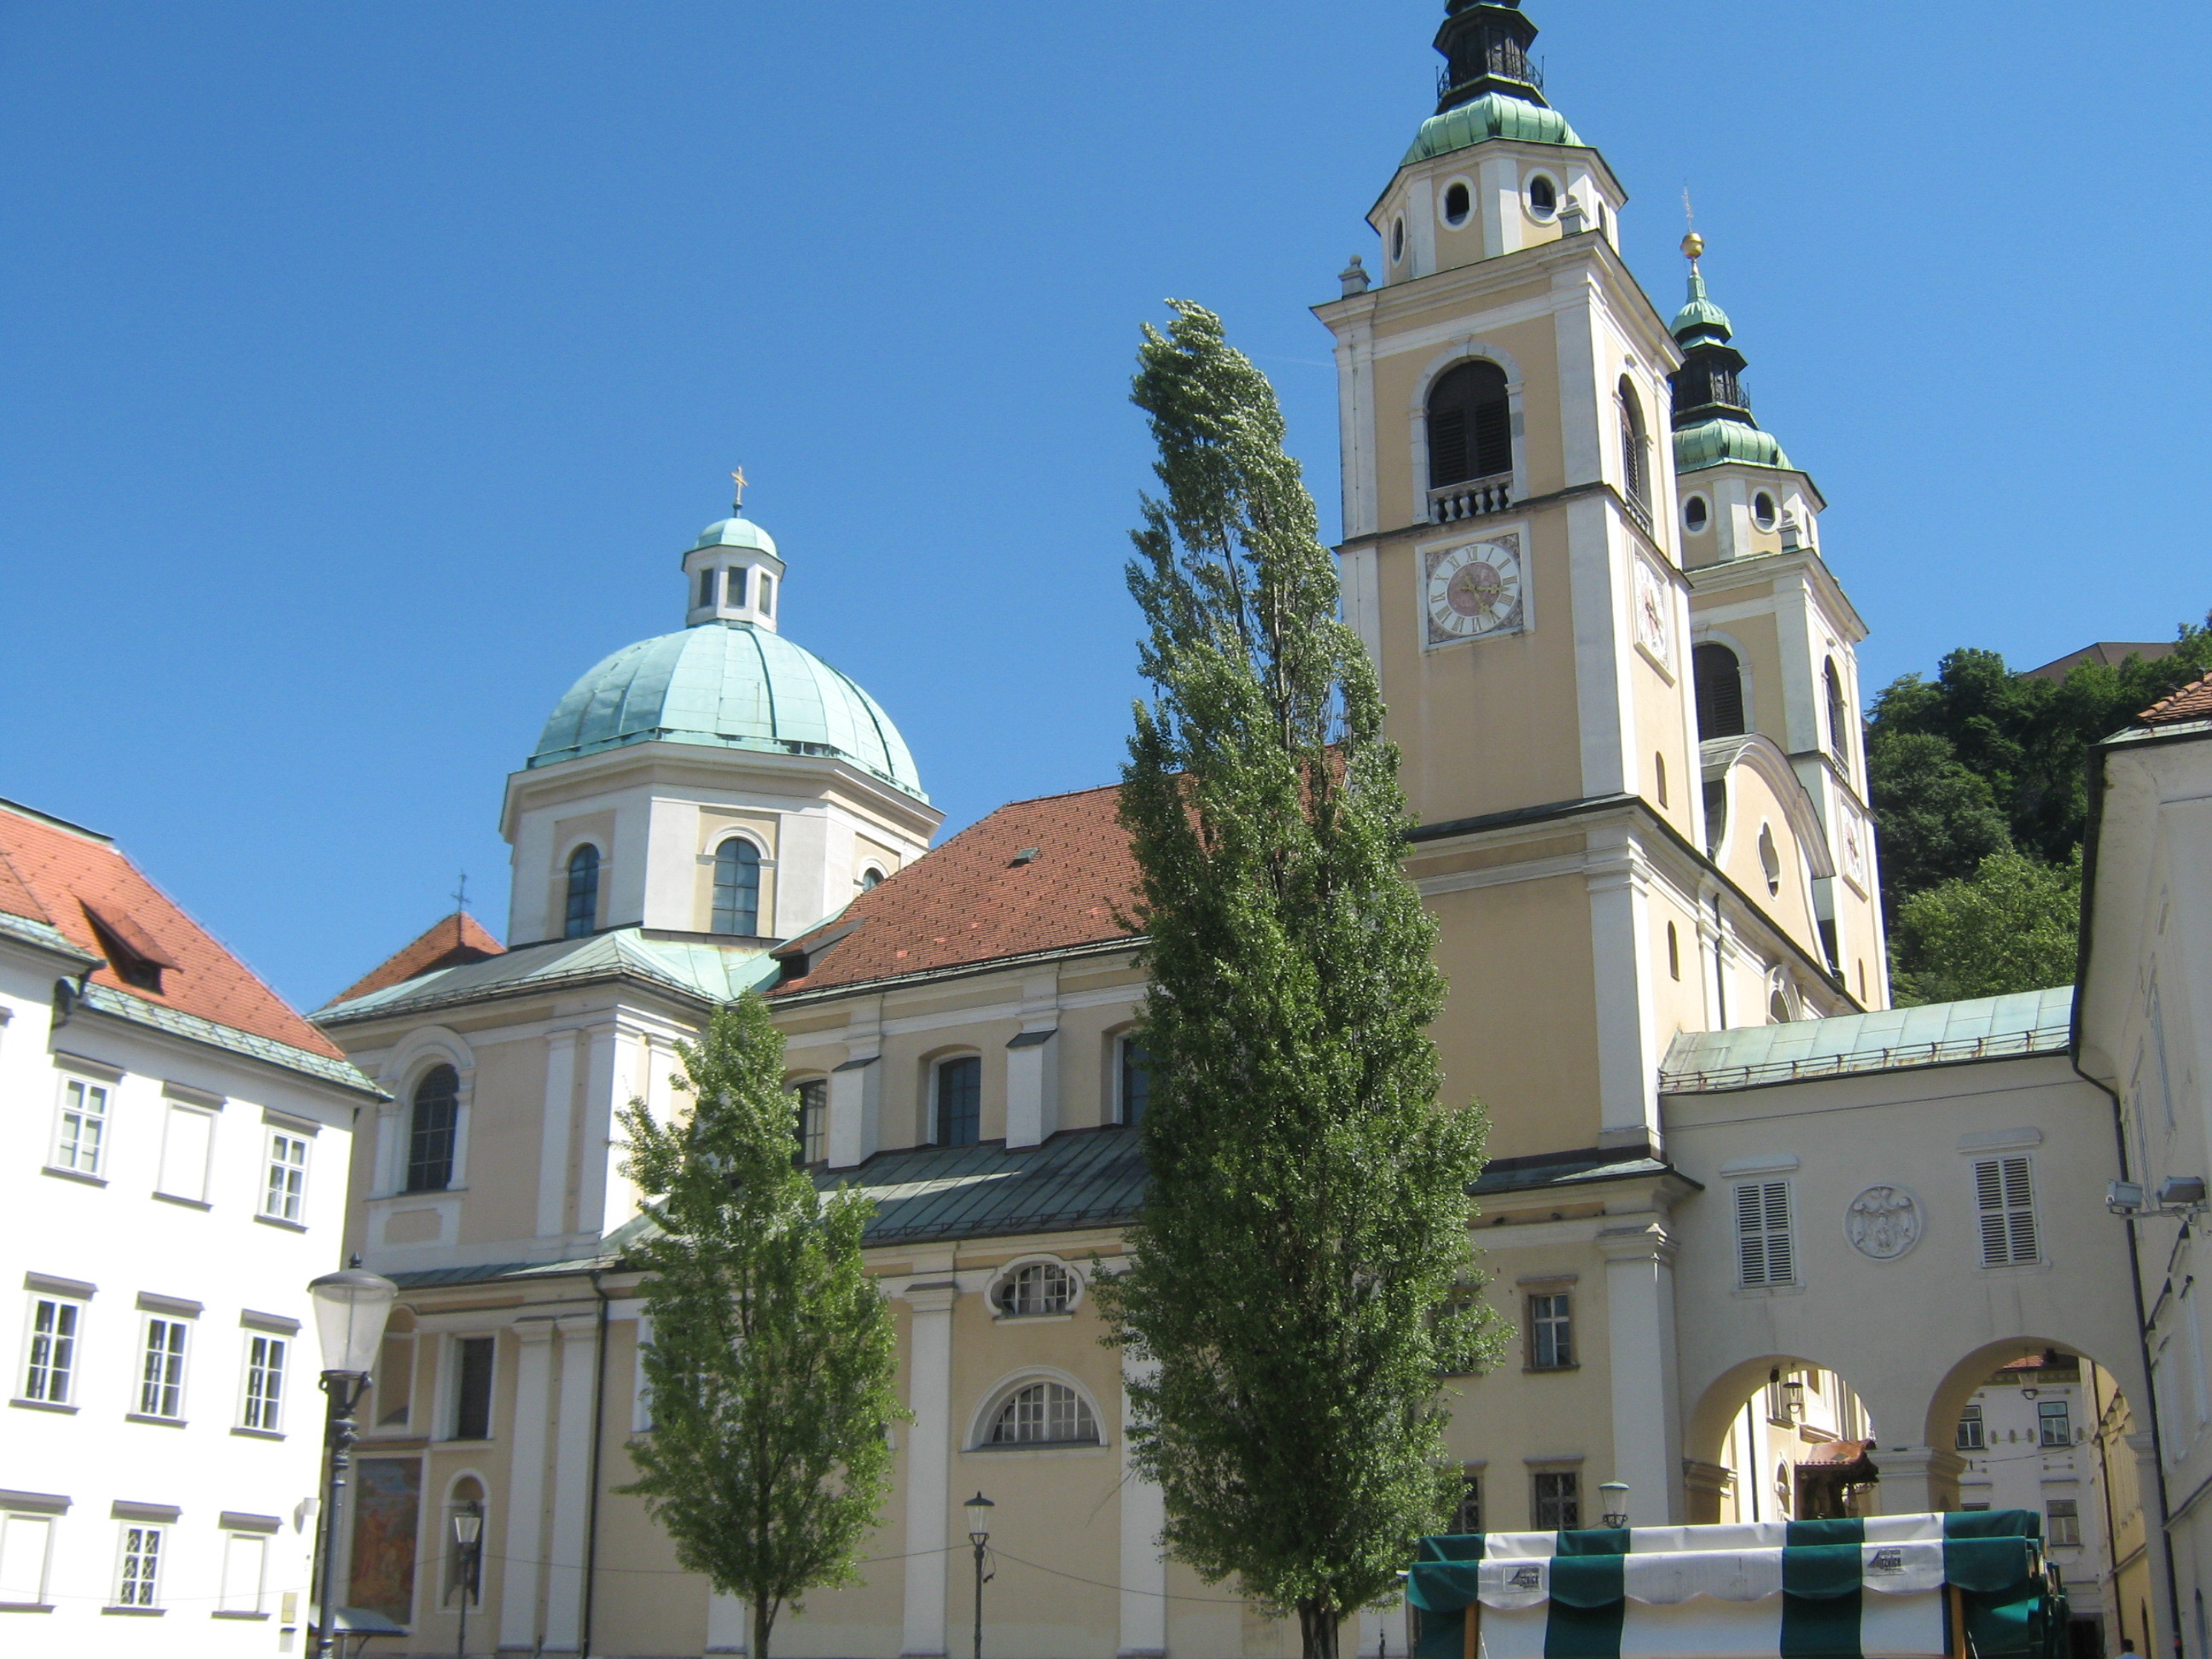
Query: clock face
{"points": [[1474, 590]]}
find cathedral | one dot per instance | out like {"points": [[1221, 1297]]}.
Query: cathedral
{"points": [[1622, 673]]}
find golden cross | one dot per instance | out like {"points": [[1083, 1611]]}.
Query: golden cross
{"points": [[738, 478]]}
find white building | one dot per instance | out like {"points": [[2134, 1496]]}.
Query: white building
{"points": [[173, 1157]]}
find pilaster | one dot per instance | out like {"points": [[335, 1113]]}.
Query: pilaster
{"points": [[556, 1129], [1144, 1567], [527, 1435], [1620, 943], [727, 1624], [2156, 1544], [928, 1465], [1918, 1480], [568, 1543], [1639, 1293]]}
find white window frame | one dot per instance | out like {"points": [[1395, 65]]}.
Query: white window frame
{"points": [[2072, 1518], [1978, 1440], [1005, 1292], [1757, 1203], [1555, 1321], [16, 1529], [284, 1186], [267, 1405], [142, 1591], [75, 1338], [1123, 1042], [70, 1154], [181, 1351], [1080, 1413], [2010, 1179], [227, 1602]]}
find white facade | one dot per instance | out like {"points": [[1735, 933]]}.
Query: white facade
{"points": [[168, 1198]]}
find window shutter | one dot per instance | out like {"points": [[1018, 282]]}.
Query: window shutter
{"points": [[1447, 447], [1766, 1253], [2006, 1196]]}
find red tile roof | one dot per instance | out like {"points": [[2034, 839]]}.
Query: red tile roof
{"points": [[447, 943], [81, 883], [975, 899], [2193, 702]]}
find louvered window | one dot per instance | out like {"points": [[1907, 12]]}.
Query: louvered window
{"points": [[1470, 425], [1765, 1254], [2005, 1192], [1719, 677]]}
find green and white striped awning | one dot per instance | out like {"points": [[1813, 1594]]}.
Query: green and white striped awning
{"points": [[1886, 1587]]}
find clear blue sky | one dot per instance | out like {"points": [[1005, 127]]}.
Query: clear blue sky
{"points": [[369, 366]]}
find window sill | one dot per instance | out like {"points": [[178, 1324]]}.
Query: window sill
{"points": [[182, 1202], [279, 1221], [243, 1432], [457, 1441], [135, 1612], [60, 1174], [1019, 1447], [1003, 1318], [1549, 1370], [238, 1615], [43, 1404], [158, 1422], [26, 1607], [2006, 1268], [1755, 1291]]}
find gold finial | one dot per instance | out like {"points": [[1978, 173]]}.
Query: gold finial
{"points": [[1692, 245], [738, 500]]}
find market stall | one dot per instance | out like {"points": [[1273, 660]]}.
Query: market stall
{"points": [[1969, 1585]]}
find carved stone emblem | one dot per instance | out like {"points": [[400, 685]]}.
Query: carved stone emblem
{"points": [[1883, 1223]]}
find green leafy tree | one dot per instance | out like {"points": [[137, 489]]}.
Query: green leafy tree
{"points": [[1305, 1227], [2011, 925], [1938, 820], [773, 1359]]}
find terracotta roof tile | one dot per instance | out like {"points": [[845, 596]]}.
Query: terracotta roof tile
{"points": [[75, 876], [976, 899], [448, 942], [2193, 702], [16, 898]]}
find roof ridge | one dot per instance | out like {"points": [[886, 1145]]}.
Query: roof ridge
{"points": [[56, 822]]}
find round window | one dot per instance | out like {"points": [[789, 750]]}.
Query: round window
{"points": [[1397, 240], [1696, 515], [1457, 203], [1543, 196], [1762, 510]]}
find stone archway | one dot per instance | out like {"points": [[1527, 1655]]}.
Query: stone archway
{"points": [[1779, 1437]]}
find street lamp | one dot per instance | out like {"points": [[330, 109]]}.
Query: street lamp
{"points": [[468, 1537], [978, 1510], [350, 1309], [1615, 1494], [1793, 1395]]}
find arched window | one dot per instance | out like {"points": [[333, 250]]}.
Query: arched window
{"points": [[583, 912], [737, 887], [1839, 742], [1778, 1009], [871, 878], [1044, 1414], [959, 1101], [1042, 1287], [431, 1125], [1719, 679], [811, 1121], [1635, 448], [1136, 1080], [1470, 425], [463, 1562]]}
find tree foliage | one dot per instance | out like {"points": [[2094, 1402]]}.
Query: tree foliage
{"points": [[1981, 760], [772, 1357], [1291, 1301], [2009, 926]]}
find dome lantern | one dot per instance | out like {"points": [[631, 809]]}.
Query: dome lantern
{"points": [[732, 573]]}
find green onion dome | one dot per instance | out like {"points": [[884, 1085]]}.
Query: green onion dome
{"points": [[1492, 115]]}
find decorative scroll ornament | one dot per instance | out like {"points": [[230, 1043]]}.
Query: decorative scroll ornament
{"points": [[1883, 1223]]}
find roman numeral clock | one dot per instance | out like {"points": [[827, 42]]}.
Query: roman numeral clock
{"points": [[1474, 590]]}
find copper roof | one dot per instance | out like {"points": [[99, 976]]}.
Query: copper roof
{"points": [[448, 942], [2193, 702], [83, 885], [1040, 875]]}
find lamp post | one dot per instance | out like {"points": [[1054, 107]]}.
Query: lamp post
{"points": [[350, 1309], [978, 1510], [1615, 1494], [1793, 1394], [468, 1539]]}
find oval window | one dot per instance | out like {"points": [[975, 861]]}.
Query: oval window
{"points": [[1695, 515], [1543, 196], [1762, 509], [1457, 205], [1397, 240]]}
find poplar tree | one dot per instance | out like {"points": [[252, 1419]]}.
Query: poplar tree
{"points": [[772, 1360], [1302, 1271]]}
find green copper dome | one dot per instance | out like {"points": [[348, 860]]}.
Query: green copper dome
{"points": [[1709, 443], [1493, 115], [727, 685], [1700, 317], [736, 533]]}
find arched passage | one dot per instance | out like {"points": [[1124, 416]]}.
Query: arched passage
{"points": [[1780, 1438]]}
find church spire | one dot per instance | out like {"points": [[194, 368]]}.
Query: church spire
{"points": [[1486, 49], [1712, 412]]}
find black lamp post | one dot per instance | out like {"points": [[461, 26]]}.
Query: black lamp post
{"points": [[978, 1510], [350, 1309], [468, 1540]]}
